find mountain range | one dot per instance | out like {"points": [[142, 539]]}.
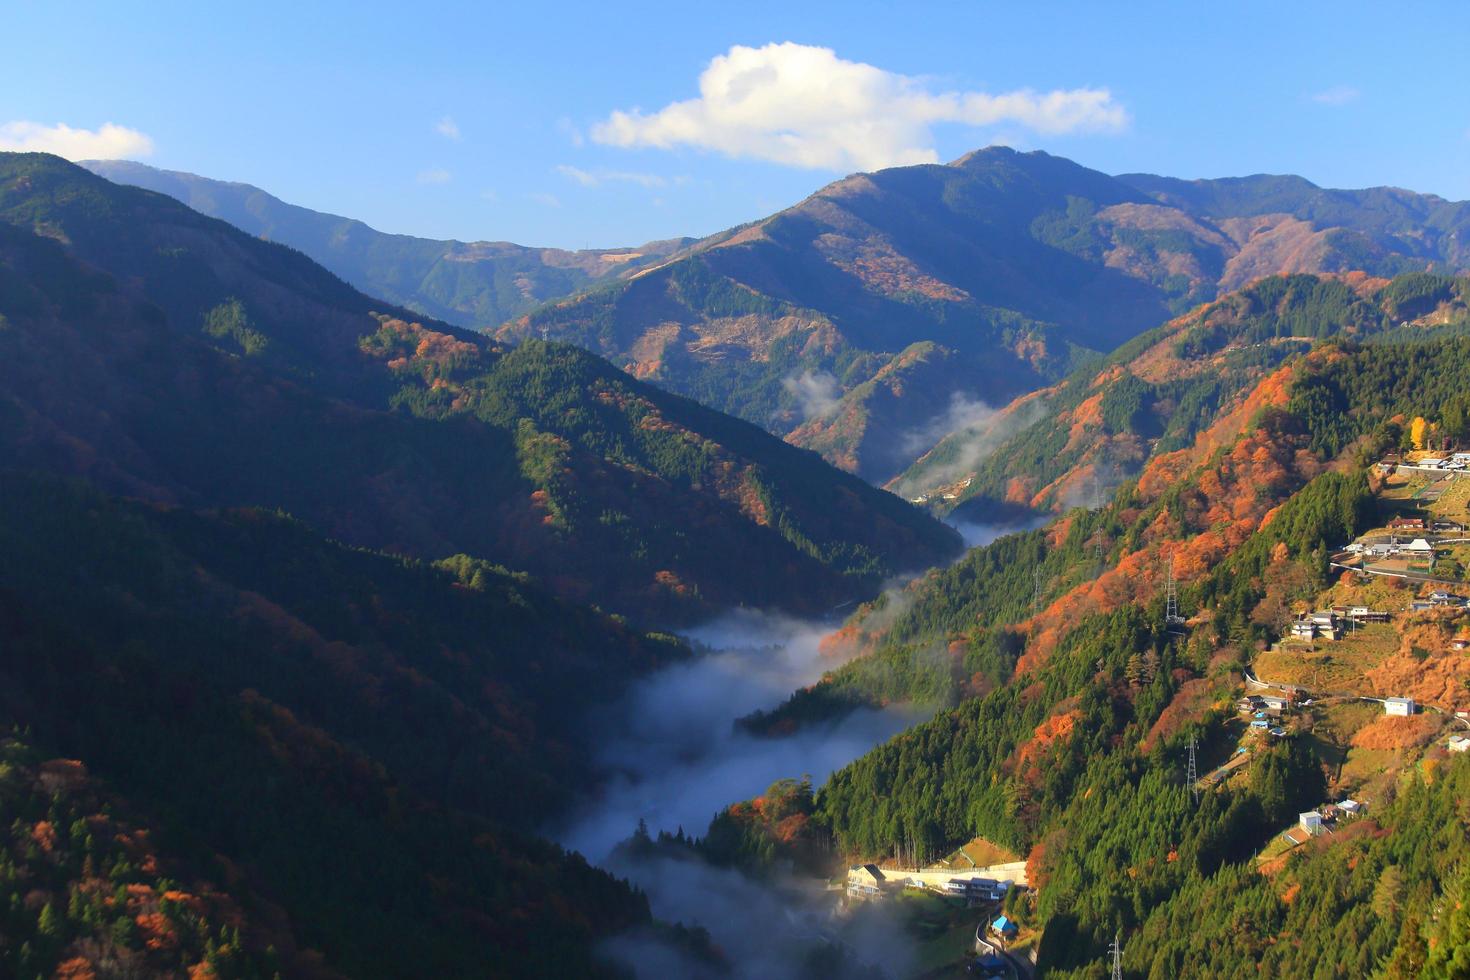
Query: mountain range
{"points": [[1010, 268], [464, 283], [312, 604], [210, 368]]}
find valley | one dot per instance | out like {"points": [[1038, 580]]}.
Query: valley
{"points": [[524, 645]]}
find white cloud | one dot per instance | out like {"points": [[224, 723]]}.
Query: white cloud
{"points": [[546, 200], [447, 127], [107, 142], [592, 178], [805, 107], [434, 175], [1337, 95]]}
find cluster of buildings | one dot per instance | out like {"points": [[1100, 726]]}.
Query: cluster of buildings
{"points": [[1454, 462], [1405, 523], [1416, 549], [1330, 624], [869, 882], [1315, 822], [1439, 599], [1265, 711]]}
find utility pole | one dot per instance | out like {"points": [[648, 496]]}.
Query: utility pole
{"points": [[1193, 775], [1116, 949]]}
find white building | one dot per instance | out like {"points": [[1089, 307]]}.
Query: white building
{"points": [[1402, 707], [865, 881], [1311, 822], [1459, 743]]}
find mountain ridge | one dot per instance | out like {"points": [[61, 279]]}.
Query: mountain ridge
{"points": [[479, 283], [214, 369], [1020, 264]]}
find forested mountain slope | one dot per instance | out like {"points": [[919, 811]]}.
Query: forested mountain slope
{"points": [[208, 368], [1073, 442], [1011, 265], [343, 748], [472, 284], [1015, 264], [1075, 702]]}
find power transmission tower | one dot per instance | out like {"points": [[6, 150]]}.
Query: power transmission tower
{"points": [[1116, 949], [1097, 556], [1172, 618], [1193, 775], [1036, 592]]}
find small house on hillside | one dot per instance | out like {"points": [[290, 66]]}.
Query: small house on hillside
{"points": [[1363, 614], [1350, 808], [1406, 523], [1400, 707], [1004, 928], [1458, 743], [1323, 625], [1418, 548], [865, 881], [1311, 822]]}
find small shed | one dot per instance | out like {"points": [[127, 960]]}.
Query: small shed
{"points": [[1350, 807], [1459, 743], [1311, 822], [1401, 707]]}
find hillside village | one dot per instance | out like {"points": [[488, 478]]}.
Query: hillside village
{"points": [[1373, 675]]}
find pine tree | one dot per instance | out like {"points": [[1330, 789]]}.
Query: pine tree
{"points": [[50, 924]]}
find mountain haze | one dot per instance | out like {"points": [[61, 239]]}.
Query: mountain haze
{"points": [[472, 284]]}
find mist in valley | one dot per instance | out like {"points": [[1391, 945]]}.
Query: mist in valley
{"points": [[669, 754]]}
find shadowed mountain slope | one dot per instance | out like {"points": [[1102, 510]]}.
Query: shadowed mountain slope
{"points": [[209, 368]]}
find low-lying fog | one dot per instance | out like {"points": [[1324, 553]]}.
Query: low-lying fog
{"points": [[671, 749], [669, 754]]}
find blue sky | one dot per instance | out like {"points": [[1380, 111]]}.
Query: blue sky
{"points": [[497, 121]]}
